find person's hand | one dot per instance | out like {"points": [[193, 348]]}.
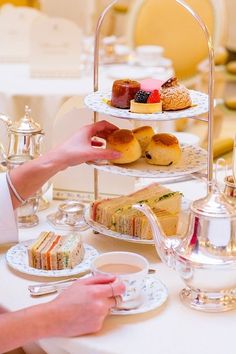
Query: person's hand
{"points": [[80, 147], [82, 308]]}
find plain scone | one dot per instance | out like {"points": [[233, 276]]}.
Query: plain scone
{"points": [[143, 135], [124, 141]]}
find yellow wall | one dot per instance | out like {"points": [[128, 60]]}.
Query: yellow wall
{"points": [[33, 3]]}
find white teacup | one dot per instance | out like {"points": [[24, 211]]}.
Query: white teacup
{"points": [[149, 55], [130, 268]]}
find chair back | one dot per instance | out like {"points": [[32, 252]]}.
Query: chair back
{"points": [[166, 23], [55, 48], [15, 26], [81, 12]]}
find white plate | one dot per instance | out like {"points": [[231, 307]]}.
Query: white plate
{"points": [[107, 232], [193, 159], [154, 294], [17, 258], [96, 102], [103, 230]]}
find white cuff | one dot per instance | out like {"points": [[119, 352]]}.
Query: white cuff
{"points": [[8, 223]]}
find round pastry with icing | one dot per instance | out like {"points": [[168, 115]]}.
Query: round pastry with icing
{"points": [[174, 96], [144, 135], [124, 141], [163, 150]]}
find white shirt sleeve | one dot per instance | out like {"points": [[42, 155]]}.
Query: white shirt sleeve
{"points": [[8, 223]]}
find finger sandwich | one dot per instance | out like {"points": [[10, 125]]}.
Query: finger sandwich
{"points": [[118, 214], [55, 252]]}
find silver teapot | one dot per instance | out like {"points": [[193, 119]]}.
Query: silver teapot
{"points": [[24, 144], [205, 255], [25, 137]]}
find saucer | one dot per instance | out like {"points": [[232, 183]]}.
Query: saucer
{"points": [[154, 294]]}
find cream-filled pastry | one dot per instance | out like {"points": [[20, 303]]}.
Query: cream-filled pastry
{"points": [[174, 96]]}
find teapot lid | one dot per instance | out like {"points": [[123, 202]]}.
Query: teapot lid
{"points": [[26, 125], [215, 205]]}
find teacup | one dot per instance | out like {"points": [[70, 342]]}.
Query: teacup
{"points": [[130, 268]]}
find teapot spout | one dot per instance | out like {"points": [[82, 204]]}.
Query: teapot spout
{"points": [[164, 245]]}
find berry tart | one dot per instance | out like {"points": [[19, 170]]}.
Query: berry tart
{"points": [[146, 102]]}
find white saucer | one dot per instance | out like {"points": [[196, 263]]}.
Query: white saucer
{"points": [[17, 258], [154, 295]]}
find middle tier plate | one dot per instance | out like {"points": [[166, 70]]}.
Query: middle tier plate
{"points": [[193, 159], [97, 101]]}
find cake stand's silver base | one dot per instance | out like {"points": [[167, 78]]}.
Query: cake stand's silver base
{"points": [[209, 302]]}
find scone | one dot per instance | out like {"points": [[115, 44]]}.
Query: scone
{"points": [[144, 135], [124, 141], [163, 150], [174, 96], [123, 91]]}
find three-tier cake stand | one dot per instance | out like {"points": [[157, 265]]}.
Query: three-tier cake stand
{"points": [[202, 104]]}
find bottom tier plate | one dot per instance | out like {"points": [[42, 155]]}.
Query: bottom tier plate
{"points": [[101, 229]]}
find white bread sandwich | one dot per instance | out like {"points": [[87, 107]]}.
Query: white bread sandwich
{"points": [[55, 252], [118, 215]]}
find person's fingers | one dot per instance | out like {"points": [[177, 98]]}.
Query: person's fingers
{"points": [[110, 290], [97, 143], [97, 279], [102, 129], [105, 154], [111, 302]]}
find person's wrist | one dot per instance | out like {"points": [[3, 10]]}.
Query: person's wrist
{"points": [[56, 160], [48, 320]]}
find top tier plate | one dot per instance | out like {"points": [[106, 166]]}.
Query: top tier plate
{"points": [[97, 102]]}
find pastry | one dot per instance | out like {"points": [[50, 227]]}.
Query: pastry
{"points": [[54, 252], [123, 91], [163, 150], [144, 135], [124, 141], [118, 215], [150, 85], [174, 96], [146, 102]]}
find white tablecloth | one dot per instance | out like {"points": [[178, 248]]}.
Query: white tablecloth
{"points": [[172, 329]]}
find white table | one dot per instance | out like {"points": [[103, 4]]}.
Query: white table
{"points": [[172, 329]]}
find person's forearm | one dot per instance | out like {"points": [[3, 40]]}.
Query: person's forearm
{"points": [[25, 326], [30, 177]]}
